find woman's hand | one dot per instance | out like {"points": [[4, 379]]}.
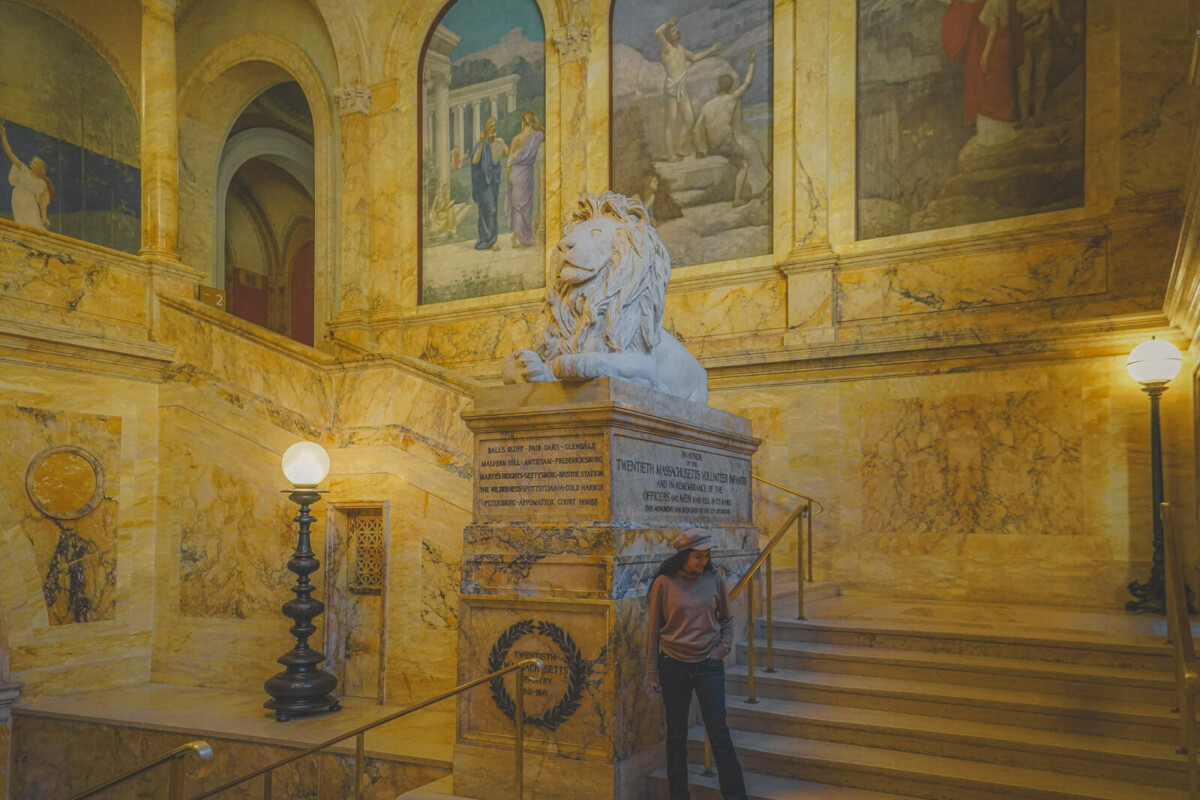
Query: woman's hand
{"points": [[655, 685]]}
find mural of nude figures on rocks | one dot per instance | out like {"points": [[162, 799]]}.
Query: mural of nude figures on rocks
{"points": [[691, 122], [968, 111], [483, 223]]}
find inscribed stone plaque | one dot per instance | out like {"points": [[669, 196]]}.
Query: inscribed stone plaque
{"points": [[667, 483], [560, 477]]}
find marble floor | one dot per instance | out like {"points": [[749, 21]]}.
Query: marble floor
{"points": [[424, 737]]}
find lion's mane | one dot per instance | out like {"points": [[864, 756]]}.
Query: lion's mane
{"points": [[622, 308]]}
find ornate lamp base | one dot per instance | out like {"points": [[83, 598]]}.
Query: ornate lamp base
{"points": [[303, 687], [298, 692]]}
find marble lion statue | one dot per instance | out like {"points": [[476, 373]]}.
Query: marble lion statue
{"points": [[604, 310]]}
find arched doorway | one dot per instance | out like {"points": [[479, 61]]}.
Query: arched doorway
{"points": [[301, 294], [265, 190]]}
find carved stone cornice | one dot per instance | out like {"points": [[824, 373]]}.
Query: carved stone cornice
{"points": [[573, 42], [352, 98]]}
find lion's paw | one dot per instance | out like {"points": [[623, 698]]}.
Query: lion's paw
{"points": [[525, 366]]}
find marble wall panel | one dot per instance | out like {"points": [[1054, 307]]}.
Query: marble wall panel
{"points": [[1155, 122], [275, 379], [1036, 272], [418, 414], [439, 587], [938, 468], [76, 557], [115, 420], [977, 484], [48, 278], [226, 534]]}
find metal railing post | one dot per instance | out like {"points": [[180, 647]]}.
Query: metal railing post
{"points": [[808, 512], [770, 617], [175, 780], [360, 746], [267, 784], [751, 636], [800, 557], [519, 722]]}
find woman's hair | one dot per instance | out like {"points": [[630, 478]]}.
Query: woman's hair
{"points": [[675, 563], [530, 119]]}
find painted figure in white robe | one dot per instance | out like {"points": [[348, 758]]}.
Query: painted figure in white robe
{"points": [[32, 188]]}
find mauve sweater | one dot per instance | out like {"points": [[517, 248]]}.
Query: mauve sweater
{"points": [[689, 619]]}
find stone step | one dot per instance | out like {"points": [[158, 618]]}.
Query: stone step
{"points": [[1057, 646], [814, 591], [1148, 763], [1105, 683], [765, 787], [1065, 713], [923, 776], [441, 789]]}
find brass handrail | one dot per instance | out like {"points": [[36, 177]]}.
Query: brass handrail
{"points": [[361, 731], [799, 515], [761, 479], [201, 750], [810, 500], [1179, 629]]}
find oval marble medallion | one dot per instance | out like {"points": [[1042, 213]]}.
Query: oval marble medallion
{"points": [[65, 482]]}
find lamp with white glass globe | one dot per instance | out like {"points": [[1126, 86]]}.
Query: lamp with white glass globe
{"points": [[1153, 364], [303, 687]]}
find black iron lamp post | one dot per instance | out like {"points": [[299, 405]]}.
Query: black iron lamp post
{"points": [[303, 687], [1153, 364]]}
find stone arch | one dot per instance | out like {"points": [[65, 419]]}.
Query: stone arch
{"points": [[211, 99], [345, 30], [285, 150], [94, 41]]}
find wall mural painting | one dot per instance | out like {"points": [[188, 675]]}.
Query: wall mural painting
{"points": [[968, 111], [483, 223], [691, 125], [69, 135]]}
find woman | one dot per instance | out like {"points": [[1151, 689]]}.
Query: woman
{"points": [[689, 631], [522, 179], [32, 188]]}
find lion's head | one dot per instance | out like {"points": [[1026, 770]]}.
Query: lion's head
{"points": [[611, 273]]}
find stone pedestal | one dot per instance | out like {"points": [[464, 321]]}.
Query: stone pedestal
{"points": [[579, 488]]}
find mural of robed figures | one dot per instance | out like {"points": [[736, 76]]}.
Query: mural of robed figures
{"points": [[69, 134], [483, 217], [968, 111], [691, 129]]}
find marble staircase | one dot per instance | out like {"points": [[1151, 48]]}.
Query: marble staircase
{"points": [[888, 699]]}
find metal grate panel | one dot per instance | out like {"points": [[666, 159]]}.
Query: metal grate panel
{"points": [[367, 544]]}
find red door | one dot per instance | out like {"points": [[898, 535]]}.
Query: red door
{"points": [[302, 295]]}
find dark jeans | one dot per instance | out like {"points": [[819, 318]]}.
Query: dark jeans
{"points": [[707, 678]]}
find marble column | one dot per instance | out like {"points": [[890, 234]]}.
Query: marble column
{"points": [[573, 43], [441, 132], [576, 502], [354, 108], [512, 102], [160, 132], [476, 122], [495, 101]]}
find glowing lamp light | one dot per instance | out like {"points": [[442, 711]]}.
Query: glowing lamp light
{"points": [[1154, 362], [305, 464]]}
